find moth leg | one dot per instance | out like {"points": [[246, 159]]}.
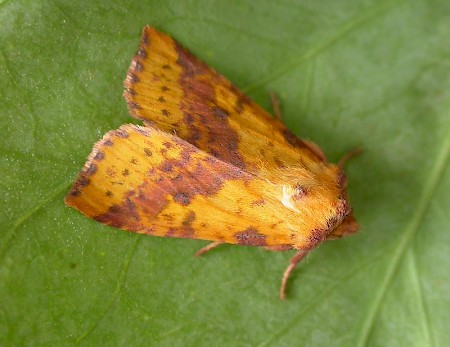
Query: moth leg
{"points": [[292, 264], [353, 153], [207, 248], [276, 106]]}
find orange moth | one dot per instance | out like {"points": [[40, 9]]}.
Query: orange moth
{"points": [[209, 164]]}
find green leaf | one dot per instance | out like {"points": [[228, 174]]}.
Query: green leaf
{"points": [[348, 73]]}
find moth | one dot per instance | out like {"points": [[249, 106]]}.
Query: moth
{"points": [[210, 164]]}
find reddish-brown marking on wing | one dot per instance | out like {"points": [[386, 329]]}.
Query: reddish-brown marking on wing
{"points": [[182, 179], [251, 237], [208, 127], [169, 87]]}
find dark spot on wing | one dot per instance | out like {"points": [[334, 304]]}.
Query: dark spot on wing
{"points": [[132, 78], [92, 169], [122, 215], [258, 202], [220, 113], [99, 156], [121, 133], [75, 192], [138, 66], [83, 181], [141, 53], [133, 105], [167, 166], [250, 237], [182, 198], [148, 152]]}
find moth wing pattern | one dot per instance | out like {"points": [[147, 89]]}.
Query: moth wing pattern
{"points": [[167, 86], [148, 181]]}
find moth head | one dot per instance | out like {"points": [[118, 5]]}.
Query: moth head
{"points": [[347, 227], [320, 203], [344, 222]]}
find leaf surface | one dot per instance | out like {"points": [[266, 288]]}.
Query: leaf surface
{"points": [[372, 73]]}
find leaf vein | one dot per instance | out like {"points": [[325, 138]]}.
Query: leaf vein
{"points": [[411, 230], [325, 44], [28, 214], [119, 288], [422, 304]]}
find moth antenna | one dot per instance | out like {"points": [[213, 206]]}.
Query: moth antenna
{"points": [[276, 106], [353, 153]]}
